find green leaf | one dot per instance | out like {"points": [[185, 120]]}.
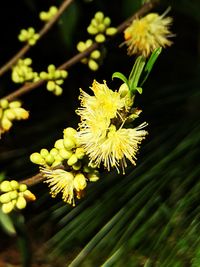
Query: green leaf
{"points": [[136, 73], [120, 76], [7, 223], [151, 63], [139, 89]]}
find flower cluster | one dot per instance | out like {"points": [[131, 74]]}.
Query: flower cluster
{"points": [[93, 59], [22, 72], [14, 196], [100, 27], [103, 131], [55, 78], [29, 36], [148, 33], [10, 111], [46, 16], [75, 173]]}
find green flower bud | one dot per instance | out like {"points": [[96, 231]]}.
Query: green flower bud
{"points": [[51, 86], [49, 159], [59, 82], [94, 176], [107, 21], [43, 16], [79, 182], [101, 27], [80, 152], [56, 163], [37, 158], [65, 154], [21, 203], [69, 132], [94, 23], [5, 186], [93, 65], [5, 198], [88, 43], [81, 46], [99, 16], [100, 38], [63, 74], [44, 152], [77, 166], [59, 144], [51, 68], [13, 194], [92, 30], [4, 103], [27, 61], [95, 54], [9, 114], [69, 143], [58, 90], [44, 75], [29, 196], [53, 10], [6, 123], [123, 90], [54, 151], [72, 160], [111, 31], [14, 184], [22, 187], [7, 207]]}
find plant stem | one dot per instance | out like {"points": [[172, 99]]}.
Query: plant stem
{"points": [[72, 61], [42, 32]]}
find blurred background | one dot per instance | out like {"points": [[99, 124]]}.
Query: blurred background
{"points": [[150, 216]]}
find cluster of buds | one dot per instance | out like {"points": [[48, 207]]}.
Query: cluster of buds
{"points": [[75, 172], [10, 111], [14, 195], [29, 36], [46, 16], [100, 27], [22, 72], [93, 59], [55, 78]]}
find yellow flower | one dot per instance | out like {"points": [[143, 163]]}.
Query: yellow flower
{"points": [[60, 181], [148, 33], [101, 129]]}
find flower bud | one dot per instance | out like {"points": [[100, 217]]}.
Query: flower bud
{"points": [[93, 176], [29, 196], [69, 132], [54, 151], [22, 187], [99, 16], [79, 182], [65, 154], [49, 159], [7, 207], [9, 114], [5, 186], [95, 54], [44, 152], [5, 198], [92, 30], [59, 144], [51, 86], [93, 65], [80, 152], [37, 158], [4, 103], [14, 184], [77, 166], [111, 31], [100, 38], [69, 143], [6, 123], [72, 160], [21, 203], [13, 194]]}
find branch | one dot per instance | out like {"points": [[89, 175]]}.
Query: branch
{"points": [[145, 8], [42, 32], [28, 87]]}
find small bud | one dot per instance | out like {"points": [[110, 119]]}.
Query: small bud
{"points": [[59, 144], [92, 30], [107, 21], [53, 10], [77, 166], [44, 152], [5, 198], [7, 207], [69, 143], [72, 160], [95, 54], [93, 65], [65, 154], [29, 196], [14, 184], [6, 123], [101, 27], [5, 186], [37, 158], [111, 31], [51, 86], [13, 194], [21, 203], [79, 182], [22, 187], [9, 114], [54, 151], [49, 159], [4, 103], [93, 177], [99, 16], [100, 38], [80, 152], [69, 132]]}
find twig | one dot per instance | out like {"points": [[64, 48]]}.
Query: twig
{"points": [[145, 8], [42, 32], [72, 61]]}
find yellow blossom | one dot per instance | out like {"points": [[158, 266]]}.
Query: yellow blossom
{"points": [[148, 33], [101, 133]]}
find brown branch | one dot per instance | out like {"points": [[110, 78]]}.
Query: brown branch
{"points": [[42, 32], [72, 61]]}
